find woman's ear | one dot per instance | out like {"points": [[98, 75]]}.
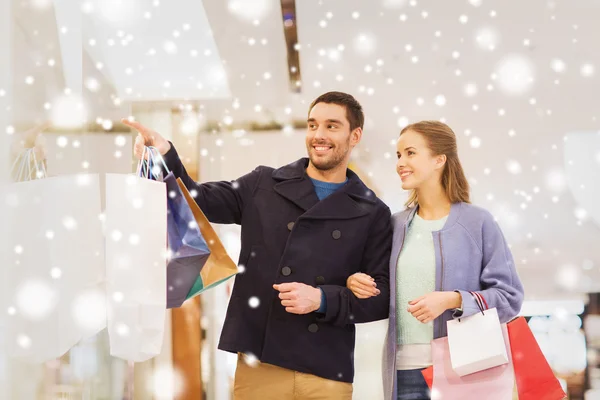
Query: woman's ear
{"points": [[440, 161]]}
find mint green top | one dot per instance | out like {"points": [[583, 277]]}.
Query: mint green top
{"points": [[415, 278]]}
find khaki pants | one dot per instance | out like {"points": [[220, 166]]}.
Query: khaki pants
{"points": [[268, 382]]}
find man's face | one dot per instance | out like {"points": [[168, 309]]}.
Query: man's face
{"points": [[328, 137]]}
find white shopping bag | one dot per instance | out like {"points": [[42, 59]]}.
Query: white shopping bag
{"points": [[136, 250], [54, 296], [476, 342]]}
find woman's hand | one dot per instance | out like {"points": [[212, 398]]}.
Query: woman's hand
{"points": [[432, 305], [362, 285]]}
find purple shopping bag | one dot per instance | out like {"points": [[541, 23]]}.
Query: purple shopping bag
{"points": [[188, 249], [491, 384]]}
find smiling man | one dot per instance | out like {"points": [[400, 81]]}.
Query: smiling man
{"points": [[306, 228]]}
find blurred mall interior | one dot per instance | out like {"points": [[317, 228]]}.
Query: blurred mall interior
{"points": [[229, 82]]}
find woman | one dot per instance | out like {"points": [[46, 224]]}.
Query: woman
{"points": [[444, 248]]}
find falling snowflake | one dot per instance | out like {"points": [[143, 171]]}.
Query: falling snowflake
{"points": [[62, 141], [118, 297], [587, 70], [556, 180], [515, 74], [254, 302], [55, 273], [514, 167], [394, 4], [122, 330], [134, 239], [89, 309], [36, 299], [470, 89], [251, 360], [581, 214], [69, 223], [440, 100], [365, 44], [475, 142], [568, 277], [487, 38], [558, 65], [402, 122], [107, 125], [24, 341], [116, 235]]}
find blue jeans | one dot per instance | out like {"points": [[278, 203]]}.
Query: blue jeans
{"points": [[412, 385]]}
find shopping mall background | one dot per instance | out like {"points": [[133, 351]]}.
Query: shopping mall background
{"points": [[230, 81]]}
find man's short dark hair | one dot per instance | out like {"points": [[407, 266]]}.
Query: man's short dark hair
{"points": [[354, 112]]}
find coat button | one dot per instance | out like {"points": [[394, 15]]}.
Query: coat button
{"points": [[290, 226], [313, 328], [286, 271], [336, 234], [320, 280]]}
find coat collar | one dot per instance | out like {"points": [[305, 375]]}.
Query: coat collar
{"points": [[455, 210], [350, 201]]}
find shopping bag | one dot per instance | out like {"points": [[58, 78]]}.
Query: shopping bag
{"points": [[535, 379], [136, 253], [54, 296], [491, 384], [428, 376], [188, 251], [476, 342], [219, 267]]}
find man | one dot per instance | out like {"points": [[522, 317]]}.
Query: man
{"points": [[306, 227]]}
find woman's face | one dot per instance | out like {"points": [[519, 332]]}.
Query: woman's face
{"points": [[416, 165]]}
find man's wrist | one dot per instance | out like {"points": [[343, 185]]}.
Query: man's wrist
{"points": [[317, 297], [164, 149]]}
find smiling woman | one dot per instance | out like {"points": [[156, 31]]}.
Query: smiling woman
{"points": [[423, 149]]}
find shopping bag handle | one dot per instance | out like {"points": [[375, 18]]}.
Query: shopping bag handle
{"points": [[14, 167], [478, 300], [482, 299], [155, 155], [144, 169], [39, 173], [23, 161]]}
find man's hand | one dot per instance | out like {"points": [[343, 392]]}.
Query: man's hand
{"points": [[31, 139], [147, 137], [432, 305], [298, 298]]}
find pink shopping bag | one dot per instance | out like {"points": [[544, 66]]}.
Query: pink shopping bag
{"points": [[491, 384]]}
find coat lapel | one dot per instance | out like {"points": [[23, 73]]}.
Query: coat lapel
{"points": [[350, 201], [346, 203], [301, 192]]}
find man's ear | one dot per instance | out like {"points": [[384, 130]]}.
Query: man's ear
{"points": [[356, 136]]}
